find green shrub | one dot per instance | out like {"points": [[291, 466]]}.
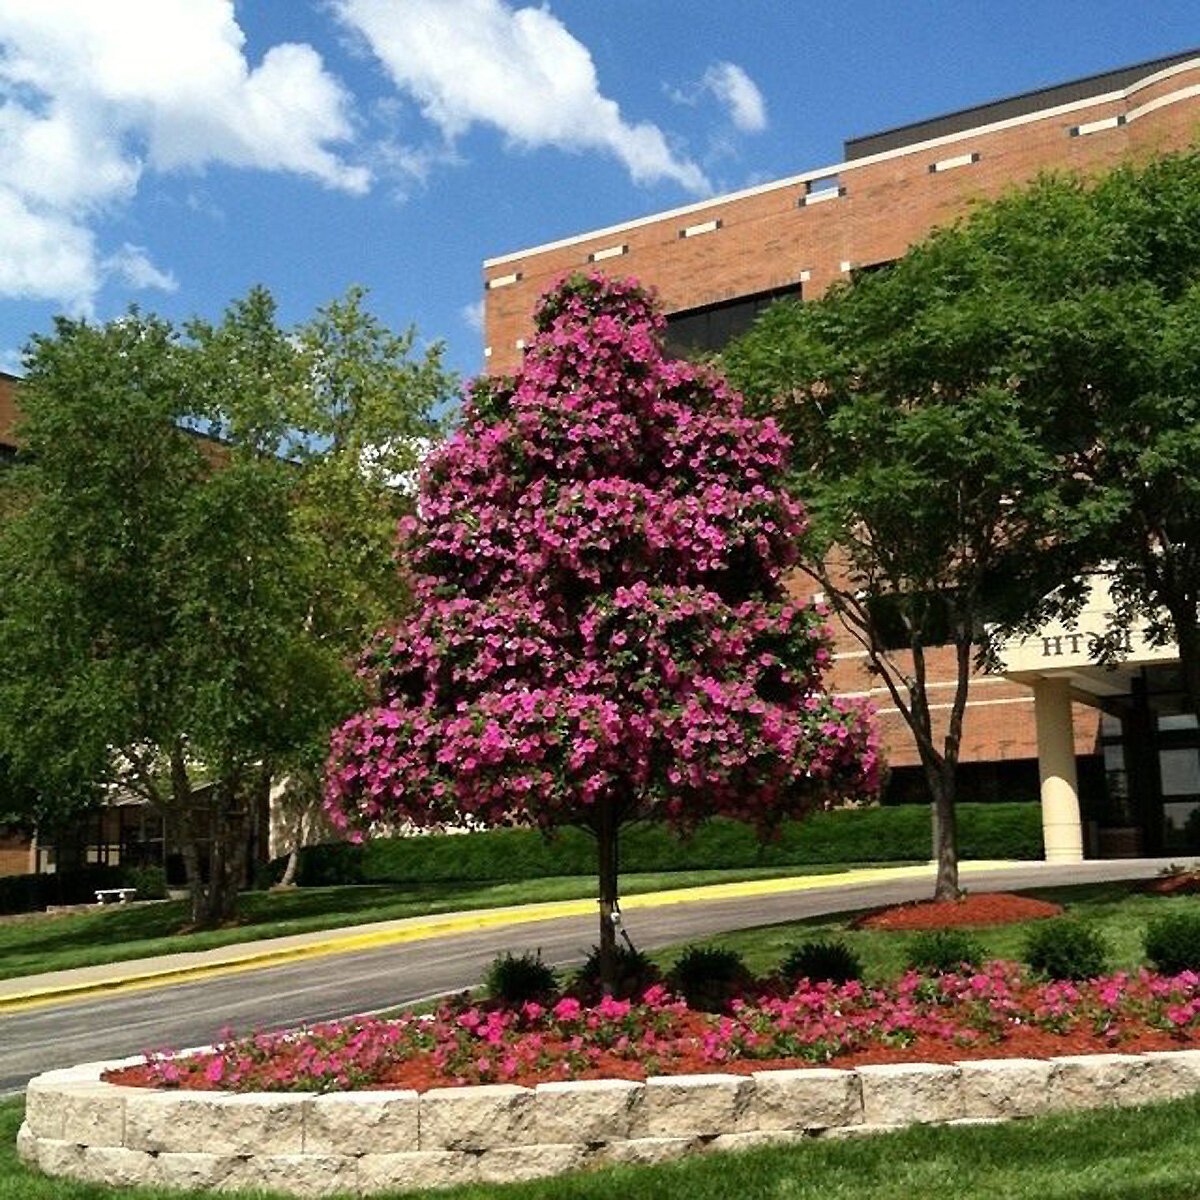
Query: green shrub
{"points": [[1172, 942], [151, 882], [1066, 949], [634, 974], [708, 977], [897, 834], [515, 978], [821, 962], [942, 951]]}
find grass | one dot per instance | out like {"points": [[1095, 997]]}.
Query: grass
{"points": [[1132, 1154], [1115, 909], [33, 944]]}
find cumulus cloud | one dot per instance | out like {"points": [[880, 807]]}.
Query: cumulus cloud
{"points": [[519, 70], [472, 315], [740, 95], [94, 95], [133, 265], [729, 84]]}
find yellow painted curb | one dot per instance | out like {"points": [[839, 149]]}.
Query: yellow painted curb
{"points": [[423, 929]]}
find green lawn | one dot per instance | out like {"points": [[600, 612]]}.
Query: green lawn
{"points": [[118, 933], [1135, 1154], [1117, 911]]}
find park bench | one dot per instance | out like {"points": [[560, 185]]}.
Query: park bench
{"points": [[121, 894]]}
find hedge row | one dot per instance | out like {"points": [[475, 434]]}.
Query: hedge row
{"points": [[32, 893], [868, 835]]}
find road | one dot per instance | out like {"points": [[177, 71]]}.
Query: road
{"points": [[196, 1013]]}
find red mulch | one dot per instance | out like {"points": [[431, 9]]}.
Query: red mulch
{"points": [[975, 908], [1182, 883]]}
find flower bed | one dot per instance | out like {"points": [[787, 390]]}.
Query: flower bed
{"points": [[976, 909], [995, 1012]]}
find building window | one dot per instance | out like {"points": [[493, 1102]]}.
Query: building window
{"points": [[711, 327]]}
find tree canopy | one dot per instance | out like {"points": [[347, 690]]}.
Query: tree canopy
{"points": [[1009, 406], [602, 633], [203, 537]]}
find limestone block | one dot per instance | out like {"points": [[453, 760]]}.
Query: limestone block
{"points": [[27, 1145], [601, 1110], [1171, 1074], [117, 1166], [43, 1113], [807, 1099], [93, 1114], [477, 1118], [196, 1171], [1005, 1087], [645, 1152], [56, 1157], [416, 1170], [180, 1122], [297, 1174], [362, 1123], [910, 1093], [516, 1163], [1099, 1080], [696, 1105], [754, 1139]]}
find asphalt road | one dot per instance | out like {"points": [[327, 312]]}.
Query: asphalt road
{"points": [[196, 1013]]}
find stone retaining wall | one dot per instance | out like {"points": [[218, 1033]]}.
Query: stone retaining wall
{"points": [[366, 1142]]}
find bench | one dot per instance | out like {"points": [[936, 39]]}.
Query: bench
{"points": [[121, 895]]}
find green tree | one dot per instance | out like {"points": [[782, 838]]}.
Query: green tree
{"points": [[184, 588], [930, 478]]}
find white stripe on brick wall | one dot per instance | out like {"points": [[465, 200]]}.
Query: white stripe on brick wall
{"points": [[1098, 126], [503, 281], [703, 227], [608, 252], [959, 160]]}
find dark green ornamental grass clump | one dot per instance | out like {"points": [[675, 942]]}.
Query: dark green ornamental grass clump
{"points": [[708, 977], [821, 962], [513, 979], [943, 951]]}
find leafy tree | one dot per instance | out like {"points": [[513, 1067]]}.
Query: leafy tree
{"points": [[196, 557], [931, 477], [602, 633]]}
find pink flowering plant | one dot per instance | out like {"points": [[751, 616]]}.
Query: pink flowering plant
{"points": [[601, 631], [466, 1043]]}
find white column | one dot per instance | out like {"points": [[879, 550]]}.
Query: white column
{"points": [[1061, 828]]}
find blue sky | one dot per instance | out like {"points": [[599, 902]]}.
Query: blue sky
{"points": [[173, 153]]}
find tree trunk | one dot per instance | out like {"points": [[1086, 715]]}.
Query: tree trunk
{"points": [[607, 834], [945, 831], [1187, 641], [293, 865]]}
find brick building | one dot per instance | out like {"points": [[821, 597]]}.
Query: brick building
{"points": [[717, 263]]}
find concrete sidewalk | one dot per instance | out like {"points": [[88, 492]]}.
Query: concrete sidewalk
{"points": [[35, 990]]}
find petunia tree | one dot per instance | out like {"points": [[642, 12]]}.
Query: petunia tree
{"points": [[602, 631]]}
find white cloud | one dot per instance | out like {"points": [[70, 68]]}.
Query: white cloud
{"points": [[472, 315], [740, 95], [727, 83], [133, 265], [93, 95], [471, 62]]}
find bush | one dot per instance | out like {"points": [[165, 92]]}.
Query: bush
{"points": [[515, 978], [899, 834], [151, 882], [708, 977], [1064, 948], [943, 951], [32, 893], [1172, 942], [634, 974], [821, 962]]}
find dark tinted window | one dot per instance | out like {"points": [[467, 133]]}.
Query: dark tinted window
{"points": [[712, 326]]}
